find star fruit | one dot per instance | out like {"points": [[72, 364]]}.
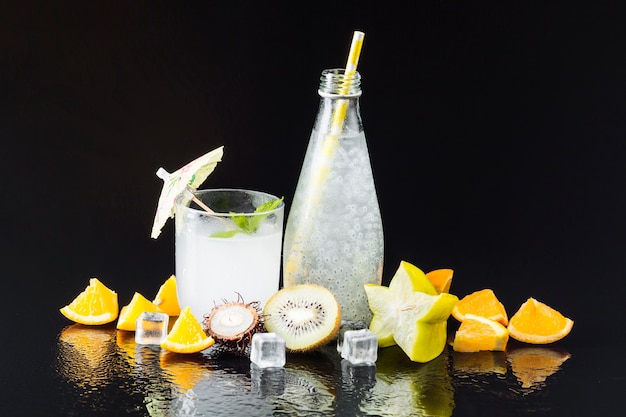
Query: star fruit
{"points": [[410, 313]]}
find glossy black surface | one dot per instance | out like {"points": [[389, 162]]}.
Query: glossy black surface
{"points": [[95, 363], [496, 133]]}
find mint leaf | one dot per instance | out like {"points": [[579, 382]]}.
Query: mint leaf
{"points": [[225, 233], [250, 224], [240, 221]]}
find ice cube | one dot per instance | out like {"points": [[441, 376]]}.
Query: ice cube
{"points": [[151, 328], [345, 326], [268, 350], [360, 347]]}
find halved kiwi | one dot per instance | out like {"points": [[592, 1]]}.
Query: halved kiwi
{"points": [[307, 316]]}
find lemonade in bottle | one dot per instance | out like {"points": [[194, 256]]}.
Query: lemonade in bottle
{"points": [[334, 233]]}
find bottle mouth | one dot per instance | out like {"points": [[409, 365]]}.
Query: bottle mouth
{"points": [[337, 83]]}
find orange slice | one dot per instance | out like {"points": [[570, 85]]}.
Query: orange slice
{"points": [[187, 335], [97, 304], [538, 323], [130, 312], [441, 279], [533, 365], [482, 303], [478, 333], [167, 299]]}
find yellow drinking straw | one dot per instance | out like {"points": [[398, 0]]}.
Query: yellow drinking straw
{"points": [[331, 142], [329, 147], [355, 51], [353, 61]]}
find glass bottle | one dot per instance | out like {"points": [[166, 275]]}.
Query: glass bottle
{"points": [[334, 233]]}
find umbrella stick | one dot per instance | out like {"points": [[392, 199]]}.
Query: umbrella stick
{"points": [[189, 193]]}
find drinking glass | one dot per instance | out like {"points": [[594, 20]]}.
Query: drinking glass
{"points": [[231, 253]]}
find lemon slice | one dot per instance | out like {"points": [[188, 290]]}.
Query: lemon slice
{"points": [[410, 313]]}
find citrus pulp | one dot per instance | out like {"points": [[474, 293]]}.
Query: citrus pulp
{"points": [[97, 304], [187, 335], [537, 323], [478, 333], [482, 303], [166, 298], [129, 313]]}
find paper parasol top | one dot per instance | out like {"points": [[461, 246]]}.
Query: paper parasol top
{"points": [[191, 175]]}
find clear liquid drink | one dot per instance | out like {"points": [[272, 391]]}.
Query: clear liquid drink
{"points": [[334, 233], [214, 265]]}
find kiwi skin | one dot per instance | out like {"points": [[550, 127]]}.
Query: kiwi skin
{"points": [[292, 295]]}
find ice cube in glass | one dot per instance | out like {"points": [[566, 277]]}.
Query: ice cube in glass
{"points": [[267, 350], [151, 328], [360, 347]]}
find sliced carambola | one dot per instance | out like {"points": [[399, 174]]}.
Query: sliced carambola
{"points": [[386, 302]]}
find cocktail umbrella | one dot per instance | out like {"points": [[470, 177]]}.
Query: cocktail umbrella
{"points": [[190, 176]]}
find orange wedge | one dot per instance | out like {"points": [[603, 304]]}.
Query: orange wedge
{"points": [[187, 335], [538, 323], [167, 299], [441, 279], [130, 312], [478, 333], [482, 303], [97, 304]]}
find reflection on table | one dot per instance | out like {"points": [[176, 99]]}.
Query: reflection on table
{"points": [[97, 360]]}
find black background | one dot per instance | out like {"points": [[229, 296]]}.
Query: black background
{"points": [[496, 130]]}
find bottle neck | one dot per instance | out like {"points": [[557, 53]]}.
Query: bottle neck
{"points": [[339, 112], [336, 83]]}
